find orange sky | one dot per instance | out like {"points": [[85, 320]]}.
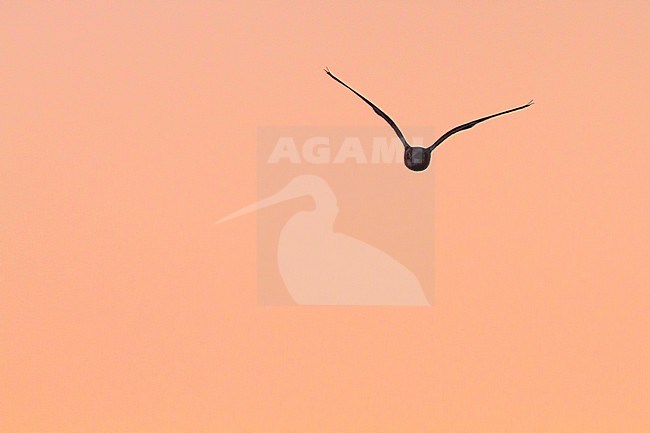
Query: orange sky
{"points": [[128, 128]]}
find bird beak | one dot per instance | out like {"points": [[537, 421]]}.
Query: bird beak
{"points": [[285, 194]]}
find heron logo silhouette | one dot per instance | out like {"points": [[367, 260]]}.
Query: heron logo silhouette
{"points": [[322, 267], [418, 158]]}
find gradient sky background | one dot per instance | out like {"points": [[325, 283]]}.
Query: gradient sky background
{"points": [[128, 128]]}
